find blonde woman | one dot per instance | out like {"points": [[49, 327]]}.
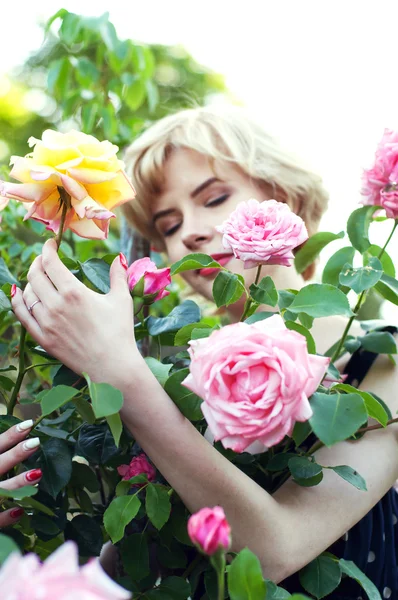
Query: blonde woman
{"points": [[190, 171]]}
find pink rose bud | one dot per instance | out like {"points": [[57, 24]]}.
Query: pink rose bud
{"points": [[138, 466], [209, 530], [379, 183], [255, 381], [145, 279], [263, 233], [60, 577]]}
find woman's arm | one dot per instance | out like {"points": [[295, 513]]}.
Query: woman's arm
{"points": [[93, 333]]}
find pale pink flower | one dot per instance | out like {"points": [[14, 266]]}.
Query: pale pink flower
{"points": [[209, 530], [139, 465], [155, 280], [255, 381], [263, 233], [60, 577], [380, 181], [87, 169]]}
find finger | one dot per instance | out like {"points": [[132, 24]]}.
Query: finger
{"points": [[18, 454], [61, 277], [23, 315], [10, 517], [41, 284], [32, 302], [118, 275], [15, 434], [29, 478]]}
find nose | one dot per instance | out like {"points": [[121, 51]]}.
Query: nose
{"points": [[198, 237]]}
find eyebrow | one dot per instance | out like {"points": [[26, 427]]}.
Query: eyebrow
{"points": [[196, 192]]}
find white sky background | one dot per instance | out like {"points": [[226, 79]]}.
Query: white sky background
{"points": [[319, 74]]}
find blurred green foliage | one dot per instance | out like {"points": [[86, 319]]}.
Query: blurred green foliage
{"points": [[85, 76]]}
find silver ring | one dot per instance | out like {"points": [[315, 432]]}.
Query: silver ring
{"points": [[30, 308]]}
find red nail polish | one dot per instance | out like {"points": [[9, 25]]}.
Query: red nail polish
{"points": [[34, 475], [123, 261], [16, 513], [13, 290]]}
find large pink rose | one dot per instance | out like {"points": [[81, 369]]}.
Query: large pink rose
{"points": [[209, 530], [155, 280], [26, 578], [379, 183], [263, 233], [139, 465], [255, 381]]}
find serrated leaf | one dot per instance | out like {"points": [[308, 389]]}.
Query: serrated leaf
{"points": [[97, 272], [361, 278], [24, 492], [336, 417], [158, 369], [335, 263], [312, 248], [106, 400], [321, 576], [350, 475], [116, 427], [157, 505], [265, 292], [57, 397], [302, 468], [358, 227], [227, 288], [374, 409], [188, 402], [119, 514], [321, 300], [245, 577], [193, 262], [350, 569], [304, 332]]}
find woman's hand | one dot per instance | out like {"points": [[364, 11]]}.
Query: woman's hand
{"points": [[89, 332], [14, 450]]}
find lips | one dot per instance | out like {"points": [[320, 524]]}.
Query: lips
{"points": [[222, 259]]}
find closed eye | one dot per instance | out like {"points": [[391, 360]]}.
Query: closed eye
{"points": [[218, 200], [171, 230]]}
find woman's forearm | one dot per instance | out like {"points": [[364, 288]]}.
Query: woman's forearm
{"points": [[201, 475]]}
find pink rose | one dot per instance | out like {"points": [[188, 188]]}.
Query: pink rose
{"points": [[255, 381], [261, 233], [60, 577], [379, 182], [209, 530], [155, 280], [138, 466]]}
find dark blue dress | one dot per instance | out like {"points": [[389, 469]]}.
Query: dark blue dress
{"points": [[372, 544]]}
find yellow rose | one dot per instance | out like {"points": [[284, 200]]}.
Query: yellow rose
{"points": [[87, 169]]}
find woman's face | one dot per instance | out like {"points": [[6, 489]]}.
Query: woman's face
{"points": [[195, 199]]}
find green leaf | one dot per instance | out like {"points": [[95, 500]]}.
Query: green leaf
{"points": [[70, 28], [157, 505], [171, 588], [97, 272], [119, 514], [58, 76], [96, 444], [185, 313], [321, 300], [5, 275], [152, 95], [109, 122], [84, 409], [302, 468], [335, 263], [188, 402], [361, 278], [84, 477], [358, 227], [381, 342], [57, 397], [386, 261], [336, 417], [134, 90], [300, 432], [135, 556], [350, 475], [260, 316], [116, 427], [245, 577], [86, 72], [275, 592], [24, 492], [7, 546], [184, 335], [312, 247], [5, 304], [350, 569], [310, 481], [89, 116], [227, 288], [388, 288], [374, 409], [56, 463], [265, 292], [87, 534], [160, 370], [303, 331], [280, 461], [106, 400], [321, 576], [193, 262]]}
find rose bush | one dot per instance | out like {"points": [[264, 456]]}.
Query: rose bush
{"points": [[379, 182], [139, 465], [154, 280]]}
